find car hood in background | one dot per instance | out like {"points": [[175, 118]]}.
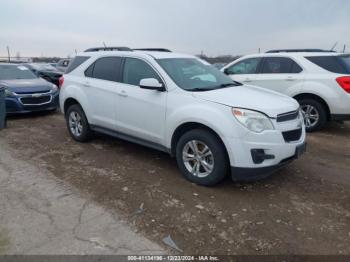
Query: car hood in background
{"points": [[26, 85], [250, 97], [50, 73]]}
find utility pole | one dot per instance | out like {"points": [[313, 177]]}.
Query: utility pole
{"points": [[8, 53]]}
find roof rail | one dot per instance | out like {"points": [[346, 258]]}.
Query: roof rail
{"points": [[298, 50], [153, 49], [108, 48]]}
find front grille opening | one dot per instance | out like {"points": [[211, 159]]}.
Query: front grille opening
{"points": [[33, 92], [288, 116], [35, 100], [292, 136]]}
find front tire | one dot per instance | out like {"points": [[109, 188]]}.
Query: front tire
{"points": [[77, 124], [315, 114], [202, 157]]}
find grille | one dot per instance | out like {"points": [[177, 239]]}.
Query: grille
{"points": [[293, 135], [288, 116], [35, 100], [34, 92]]}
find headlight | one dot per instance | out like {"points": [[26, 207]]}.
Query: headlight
{"points": [[253, 120], [8, 93], [54, 88]]}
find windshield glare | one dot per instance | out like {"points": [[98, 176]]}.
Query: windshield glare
{"points": [[191, 74], [9, 72]]}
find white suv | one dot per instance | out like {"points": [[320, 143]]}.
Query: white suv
{"points": [[181, 105], [318, 80]]}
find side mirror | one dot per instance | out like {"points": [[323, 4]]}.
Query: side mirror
{"points": [[151, 84], [227, 72]]}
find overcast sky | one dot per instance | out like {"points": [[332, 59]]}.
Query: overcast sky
{"points": [[58, 27]]}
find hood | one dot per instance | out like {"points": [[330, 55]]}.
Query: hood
{"points": [[26, 85], [250, 97]]}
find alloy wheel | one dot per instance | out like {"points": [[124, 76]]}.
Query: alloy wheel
{"points": [[198, 158], [75, 123], [311, 115]]}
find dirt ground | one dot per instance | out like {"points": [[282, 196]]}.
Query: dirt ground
{"points": [[302, 209]]}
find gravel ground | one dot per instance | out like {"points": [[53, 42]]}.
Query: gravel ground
{"points": [[302, 209]]}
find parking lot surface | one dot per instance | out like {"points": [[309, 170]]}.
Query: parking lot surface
{"points": [[302, 209]]}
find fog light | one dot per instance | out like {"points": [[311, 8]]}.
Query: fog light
{"points": [[259, 156]]}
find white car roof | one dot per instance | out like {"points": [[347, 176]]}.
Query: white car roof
{"points": [[295, 54], [145, 54]]}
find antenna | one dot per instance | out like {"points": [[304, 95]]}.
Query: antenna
{"points": [[104, 44], [8, 53], [336, 43], [344, 49]]}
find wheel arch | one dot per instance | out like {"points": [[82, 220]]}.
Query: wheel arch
{"points": [[69, 102], [188, 126], [315, 97]]}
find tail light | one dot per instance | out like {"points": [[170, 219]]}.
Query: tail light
{"points": [[344, 82], [60, 82]]}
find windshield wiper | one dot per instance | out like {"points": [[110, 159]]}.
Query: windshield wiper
{"points": [[226, 85], [230, 84], [198, 89]]}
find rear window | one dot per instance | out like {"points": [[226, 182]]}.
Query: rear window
{"points": [[334, 64], [280, 65], [77, 61], [106, 68]]}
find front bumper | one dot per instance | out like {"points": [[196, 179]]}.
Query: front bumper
{"points": [[257, 155], [14, 105], [241, 174]]}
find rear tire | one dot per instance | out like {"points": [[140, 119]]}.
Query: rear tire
{"points": [[77, 124], [202, 157], [315, 114]]}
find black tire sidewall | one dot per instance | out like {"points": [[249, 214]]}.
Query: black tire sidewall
{"points": [[321, 110], [220, 157], [86, 133]]}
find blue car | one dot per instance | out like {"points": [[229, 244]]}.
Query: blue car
{"points": [[25, 92]]}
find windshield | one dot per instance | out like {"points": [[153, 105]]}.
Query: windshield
{"points": [[9, 72], [193, 75]]}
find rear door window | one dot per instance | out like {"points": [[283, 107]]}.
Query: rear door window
{"points": [[106, 68], [334, 64], [247, 66], [280, 65]]}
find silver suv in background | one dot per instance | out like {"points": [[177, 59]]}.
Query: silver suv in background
{"points": [[63, 64]]}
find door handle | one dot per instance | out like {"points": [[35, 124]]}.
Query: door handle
{"points": [[290, 78], [86, 84], [247, 80], [123, 94]]}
